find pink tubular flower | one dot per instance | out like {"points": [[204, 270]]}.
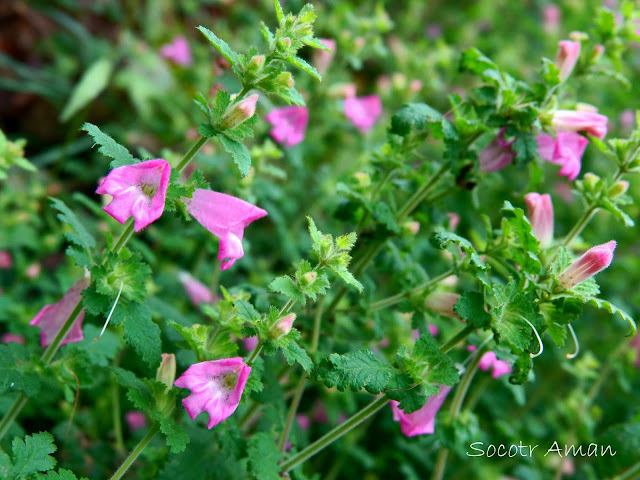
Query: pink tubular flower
{"points": [[568, 54], [198, 292], [565, 150], [541, 216], [177, 51], [6, 262], [442, 303], [289, 124], [138, 190], [321, 58], [12, 338], [363, 111], [498, 368], [216, 387], [136, 420], [486, 361], [421, 421], [226, 217], [497, 154], [51, 318], [580, 121], [593, 261]]}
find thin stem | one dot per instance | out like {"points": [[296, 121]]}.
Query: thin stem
{"points": [[462, 334], [117, 424], [630, 473], [397, 298], [287, 307], [13, 412], [317, 321], [255, 353], [191, 153], [53, 347], [135, 452], [578, 227], [124, 236], [335, 434], [292, 411], [454, 410], [421, 193]]}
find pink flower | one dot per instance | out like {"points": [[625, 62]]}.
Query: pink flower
{"points": [[198, 292], [580, 121], [421, 421], [51, 318], [541, 216], [565, 150], [177, 51], [498, 367], [497, 154], [321, 58], [433, 329], [568, 54], [289, 124], [138, 190], [363, 111], [250, 343], [12, 337], [304, 421], [593, 261], [240, 112], [551, 17], [454, 220], [226, 217], [442, 303], [216, 387], [33, 270], [282, 326], [136, 420], [627, 120], [6, 262]]}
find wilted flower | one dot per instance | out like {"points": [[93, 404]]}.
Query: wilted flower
{"points": [[216, 387], [138, 190], [226, 217], [289, 124], [593, 261], [565, 150], [322, 58], [177, 51], [442, 303], [51, 318], [497, 154], [579, 121], [541, 216], [198, 292], [421, 421], [363, 111], [136, 420], [568, 54]]}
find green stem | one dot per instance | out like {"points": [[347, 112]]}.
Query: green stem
{"points": [[394, 299], [292, 411], [317, 321], [454, 410], [135, 452], [53, 347], [578, 227], [13, 412], [287, 307], [117, 424], [255, 353], [629, 474], [124, 236], [191, 153], [462, 334], [421, 193], [335, 434]]}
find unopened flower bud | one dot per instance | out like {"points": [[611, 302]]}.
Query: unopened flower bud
{"points": [[282, 326], [590, 180], [309, 277], [578, 36], [596, 53], [618, 188], [541, 217], [284, 43], [593, 261], [240, 112], [411, 228], [285, 79], [442, 303], [256, 63], [167, 370], [364, 179], [568, 54]]}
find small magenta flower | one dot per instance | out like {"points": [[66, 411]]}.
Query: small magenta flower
{"points": [[565, 150], [249, 343], [6, 261], [421, 421], [580, 121], [136, 420], [593, 261], [442, 303], [51, 318], [498, 367], [321, 58], [541, 216], [138, 190], [497, 155], [12, 338], [289, 124], [226, 217], [177, 51], [216, 388], [304, 421], [198, 292], [568, 54], [363, 111]]}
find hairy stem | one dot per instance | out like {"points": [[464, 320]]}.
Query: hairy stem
{"points": [[133, 455], [397, 298]]}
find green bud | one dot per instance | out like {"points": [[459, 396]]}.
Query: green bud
{"points": [[256, 64], [239, 112], [309, 277], [590, 180], [618, 188], [284, 44], [364, 179], [282, 326], [285, 79], [411, 228]]}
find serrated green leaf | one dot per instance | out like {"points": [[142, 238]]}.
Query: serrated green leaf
{"points": [[303, 65], [470, 307], [413, 118], [81, 237], [109, 147], [428, 365], [62, 474], [221, 46], [32, 455], [347, 277], [264, 456], [177, 437], [295, 353], [355, 371], [524, 245], [441, 239], [137, 391], [288, 287], [611, 308], [142, 334], [17, 373], [278, 9], [239, 152], [93, 81]]}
